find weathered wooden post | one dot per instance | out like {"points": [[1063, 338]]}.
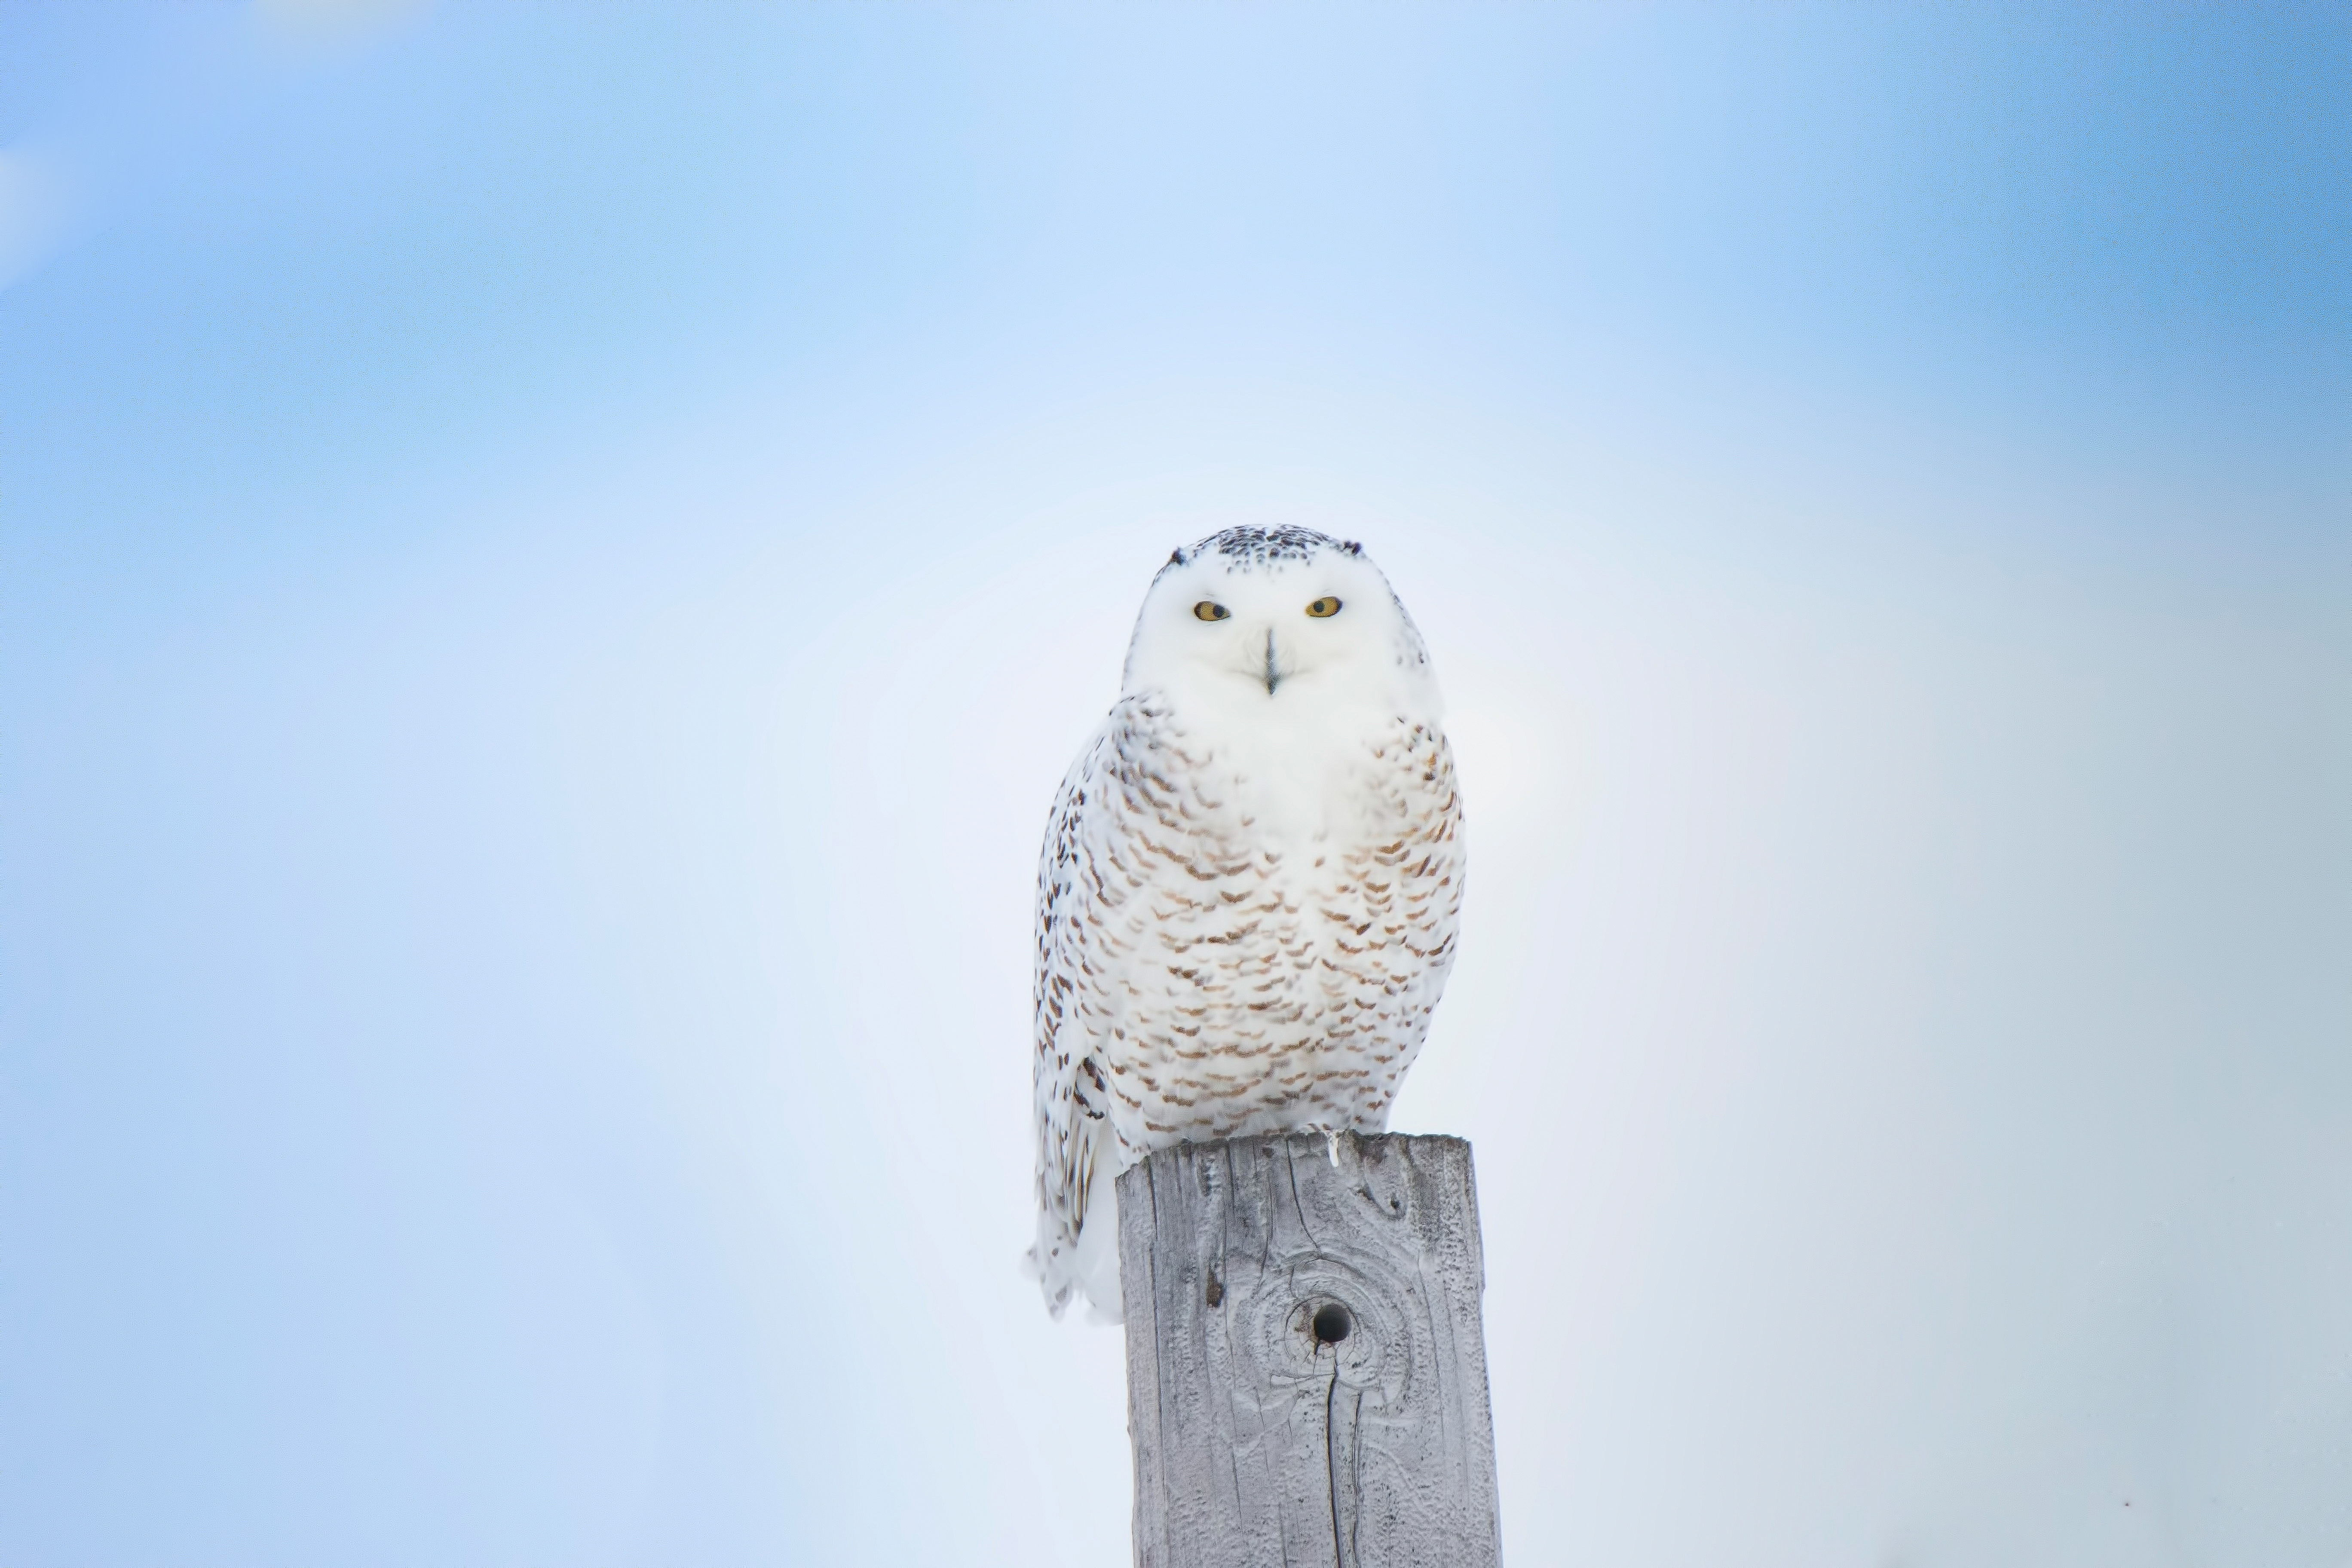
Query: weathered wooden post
{"points": [[1306, 1371]]}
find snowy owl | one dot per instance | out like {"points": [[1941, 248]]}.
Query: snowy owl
{"points": [[1248, 895]]}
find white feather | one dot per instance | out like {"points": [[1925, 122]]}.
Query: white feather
{"points": [[1251, 884]]}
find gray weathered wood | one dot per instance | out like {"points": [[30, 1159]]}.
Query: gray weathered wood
{"points": [[1260, 1443]]}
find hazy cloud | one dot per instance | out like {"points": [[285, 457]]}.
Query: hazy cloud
{"points": [[36, 210]]}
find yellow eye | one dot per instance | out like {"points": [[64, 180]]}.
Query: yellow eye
{"points": [[1210, 610], [1324, 607]]}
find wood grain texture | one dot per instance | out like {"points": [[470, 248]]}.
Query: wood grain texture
{"points": [[1260, 1443]]}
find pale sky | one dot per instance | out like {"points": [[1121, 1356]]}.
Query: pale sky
{"points": [[551, 561]]}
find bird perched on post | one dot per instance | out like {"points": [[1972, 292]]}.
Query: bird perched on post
{"points": [[1250, 887]]}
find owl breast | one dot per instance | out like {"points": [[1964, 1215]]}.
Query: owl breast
{"points": [[1271, 927]]}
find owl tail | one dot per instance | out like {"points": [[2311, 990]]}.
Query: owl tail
{"points": [[1095, 1261], [1087, 1263]]}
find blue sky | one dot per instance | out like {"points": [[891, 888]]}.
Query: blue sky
{"points": [[546, 558]]}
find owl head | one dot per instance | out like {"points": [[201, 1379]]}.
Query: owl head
{"points": [[1275, 619]]}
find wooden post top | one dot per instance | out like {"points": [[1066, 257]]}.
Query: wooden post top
{"points": [[1306, 1371]]}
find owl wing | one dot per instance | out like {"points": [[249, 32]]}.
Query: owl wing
{"points": [[1071, 1094]]}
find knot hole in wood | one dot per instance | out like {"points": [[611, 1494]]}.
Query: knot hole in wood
{"points": [[1331, 1323]]}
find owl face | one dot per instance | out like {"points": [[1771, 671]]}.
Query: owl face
{"points": [[1278, 619]]}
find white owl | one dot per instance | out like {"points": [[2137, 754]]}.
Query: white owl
{"points": [[1248, 897]]}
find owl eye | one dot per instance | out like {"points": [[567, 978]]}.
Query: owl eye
{"points": [[1210, 610], [1324, 607]]}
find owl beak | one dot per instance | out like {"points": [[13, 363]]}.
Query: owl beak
{"points": [[1273, 676]]}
